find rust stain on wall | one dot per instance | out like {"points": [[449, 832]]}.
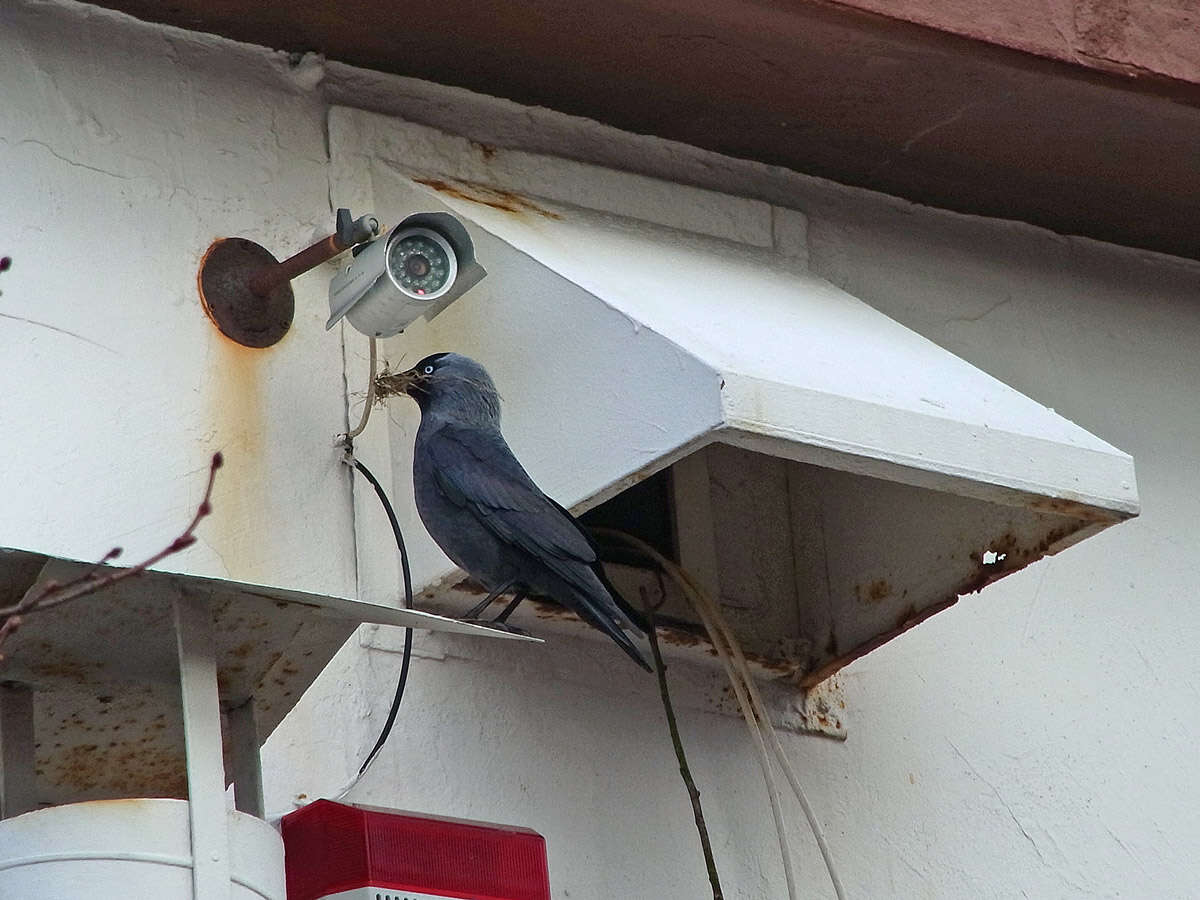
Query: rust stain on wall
{"points": [[235, 382], [235, 389], [874, 592], [495, 198]]}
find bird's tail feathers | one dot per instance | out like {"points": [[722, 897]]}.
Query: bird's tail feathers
{"points": [[633, 617], [602, 619]]}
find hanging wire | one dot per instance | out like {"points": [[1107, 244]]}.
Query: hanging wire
{"points": [[366, 413], [402, 682], [750, 702], [408, 603], [350, 459]]}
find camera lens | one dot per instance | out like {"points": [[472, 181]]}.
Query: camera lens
{"points": [[421, 263], [417, 266]]}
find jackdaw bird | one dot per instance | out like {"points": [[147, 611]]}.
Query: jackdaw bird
{"points": [[485, 512]]}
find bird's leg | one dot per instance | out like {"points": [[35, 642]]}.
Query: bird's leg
{"points": [[500, 623], [474, 611], [508, 610]]}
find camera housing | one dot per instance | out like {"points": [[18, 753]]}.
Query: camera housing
{"points": [[417, 269]]}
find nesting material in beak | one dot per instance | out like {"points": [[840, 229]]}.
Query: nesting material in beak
{"points": [[394, 384]]}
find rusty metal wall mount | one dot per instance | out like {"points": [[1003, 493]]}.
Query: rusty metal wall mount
{"points": [[248, 293]]}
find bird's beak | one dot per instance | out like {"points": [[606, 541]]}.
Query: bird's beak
{"points": [[406, 380]]}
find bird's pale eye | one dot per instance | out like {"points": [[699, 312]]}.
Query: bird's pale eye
{"points": [[429, 370]]}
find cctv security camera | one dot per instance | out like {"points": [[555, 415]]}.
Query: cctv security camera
{"points": [[417, 269]]}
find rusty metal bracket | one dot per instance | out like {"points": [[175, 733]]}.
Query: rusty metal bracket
{"points": [[248, 293], [349, 232], [819, 710], [822, 709]]}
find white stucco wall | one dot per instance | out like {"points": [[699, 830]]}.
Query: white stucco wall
{"points": [[126, 151], [1036, 740]]}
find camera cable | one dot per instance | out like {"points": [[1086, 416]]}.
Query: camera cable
{"points": [[408, 604], [366, 413]]}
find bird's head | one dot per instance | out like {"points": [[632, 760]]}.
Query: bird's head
{"points": [[452, 386]]}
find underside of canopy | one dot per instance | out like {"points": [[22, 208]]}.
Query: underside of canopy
{"points": [[832, 475]]}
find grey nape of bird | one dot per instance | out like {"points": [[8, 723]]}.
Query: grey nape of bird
{"points": [[487, 515]]}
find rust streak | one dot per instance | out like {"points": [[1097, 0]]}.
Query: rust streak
{"points": [[124, 766], [1073, 508], [681, 634], [910, 619], [236, 421], [495, 198], [470, 586], [68, 670], [875, 592]]}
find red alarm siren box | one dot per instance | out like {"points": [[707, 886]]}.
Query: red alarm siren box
{"points": [[336, 850]]}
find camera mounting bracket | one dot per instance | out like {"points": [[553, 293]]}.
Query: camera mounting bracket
{"points": [[247, 292]]}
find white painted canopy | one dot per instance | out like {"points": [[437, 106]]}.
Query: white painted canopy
{"points": [[809, 372], [631, 323]]}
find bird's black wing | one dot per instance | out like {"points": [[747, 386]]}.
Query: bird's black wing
{"points": [[476, 470], [627, 610]]}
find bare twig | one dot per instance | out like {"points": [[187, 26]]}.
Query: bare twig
{"points": [[684, 770], [50, 594]]}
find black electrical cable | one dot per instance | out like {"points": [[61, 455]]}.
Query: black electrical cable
{"points": [[408, 602]]}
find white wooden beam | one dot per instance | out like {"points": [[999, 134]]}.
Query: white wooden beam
{"points": [[694, 530], [247, 765], [18, 777], [202, 739]]}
